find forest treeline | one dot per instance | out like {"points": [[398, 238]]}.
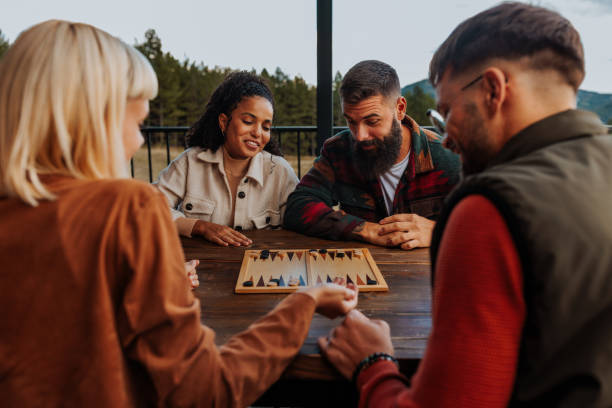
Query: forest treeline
{"points": [[185, 87]]}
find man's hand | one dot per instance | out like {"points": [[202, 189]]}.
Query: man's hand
{"points": [[355, 339], [369, 232], [333, 299], [190, 270], [407, 230], [220, 234]]}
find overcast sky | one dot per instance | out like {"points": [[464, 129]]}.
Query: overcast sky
{"points": [[249, 34]]}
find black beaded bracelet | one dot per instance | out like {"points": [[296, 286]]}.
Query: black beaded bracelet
{"points": [[371, 359]]}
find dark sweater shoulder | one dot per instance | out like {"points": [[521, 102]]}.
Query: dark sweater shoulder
{"points": [[339, 141]]}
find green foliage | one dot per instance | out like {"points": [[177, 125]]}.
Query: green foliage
{"points": [[610, 122], [185, 88], [337, 102], [417, 104], [4, 44]]}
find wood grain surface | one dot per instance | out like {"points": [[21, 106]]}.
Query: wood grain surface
{"points": [[406, 306]]}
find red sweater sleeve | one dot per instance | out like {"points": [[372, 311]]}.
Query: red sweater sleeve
{"points": [[478, 314]]}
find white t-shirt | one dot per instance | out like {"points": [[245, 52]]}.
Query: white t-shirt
{"points": [[390, 179]]}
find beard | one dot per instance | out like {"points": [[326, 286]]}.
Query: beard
{"points": [[476, 150], [382, 157]]}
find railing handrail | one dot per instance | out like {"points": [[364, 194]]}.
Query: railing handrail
{"points": [[274, 128], [166, 130], [289, 128]]}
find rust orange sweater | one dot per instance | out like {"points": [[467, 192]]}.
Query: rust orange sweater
{"points": [[97, 311]]}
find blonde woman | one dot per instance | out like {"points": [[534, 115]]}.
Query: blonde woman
{"points": [[103, 314], [232, 178]]}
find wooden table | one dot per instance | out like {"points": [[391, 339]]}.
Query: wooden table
{"points": [[310, 380]]}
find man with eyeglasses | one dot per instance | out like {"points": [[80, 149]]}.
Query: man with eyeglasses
{"points": [[521, 261], [387, 175]]}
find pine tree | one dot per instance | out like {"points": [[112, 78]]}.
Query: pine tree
{"points": [[165, 109], [4, 44], [337, 101], [417, 104]]}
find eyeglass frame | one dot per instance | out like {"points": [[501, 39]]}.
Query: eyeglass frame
{"points": [[439, 123]]}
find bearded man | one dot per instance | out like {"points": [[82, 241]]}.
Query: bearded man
{"points": [[387, 175], [521, 261]]}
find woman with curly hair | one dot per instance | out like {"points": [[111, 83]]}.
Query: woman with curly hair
{"points": [[232, 177]]}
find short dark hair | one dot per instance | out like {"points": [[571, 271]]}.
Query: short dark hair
{"points": [[369, 78], [236, 86], [511, 31]]}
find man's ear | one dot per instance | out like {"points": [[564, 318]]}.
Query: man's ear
{"points": [[223, 119], [400, 108], [494, 82]]}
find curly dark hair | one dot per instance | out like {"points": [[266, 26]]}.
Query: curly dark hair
{"points": [[236, 86]]}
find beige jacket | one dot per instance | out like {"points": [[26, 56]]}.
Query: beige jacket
{"points": [[196, 189]]}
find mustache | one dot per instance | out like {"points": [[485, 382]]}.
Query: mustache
{"points": [[367, 143]]}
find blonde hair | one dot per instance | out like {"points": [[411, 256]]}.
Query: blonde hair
{"points": [[63, 93]]}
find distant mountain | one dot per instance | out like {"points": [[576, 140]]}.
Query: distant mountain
{"points": [[599, 103], [425, 85]]}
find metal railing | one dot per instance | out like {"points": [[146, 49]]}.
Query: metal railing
{"points": [[277, 131], [161, 135]]}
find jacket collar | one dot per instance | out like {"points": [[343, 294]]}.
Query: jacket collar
{"points": [[419, 145], [566, 125], [255, 171]]}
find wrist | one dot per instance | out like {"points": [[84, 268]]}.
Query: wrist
{"points": [[198, 228], [370, 360], [361, 231], [313, 292]]}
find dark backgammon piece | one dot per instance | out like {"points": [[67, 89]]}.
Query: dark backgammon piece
{"points": [[312, 250], [340, 255], [322, 251], [371, 281], [248, 283], [265, 252]]}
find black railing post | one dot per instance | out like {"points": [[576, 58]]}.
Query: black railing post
{"points": [[299, 156], [324, 72], [149, 157], [167, 148]]}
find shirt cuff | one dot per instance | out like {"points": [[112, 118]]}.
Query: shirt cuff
{"points": [[379, 368], [185, 225]]}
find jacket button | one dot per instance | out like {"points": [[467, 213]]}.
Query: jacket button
{"points": [[241, 194], [267, 220], [238, 228], [188, 206]]}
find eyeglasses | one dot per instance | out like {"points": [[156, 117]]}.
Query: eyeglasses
{"points": [[437, 120]]}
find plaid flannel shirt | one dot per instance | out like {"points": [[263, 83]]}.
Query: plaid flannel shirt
{"points": [[335, 179]]}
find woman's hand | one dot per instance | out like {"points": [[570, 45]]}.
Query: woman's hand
{"points": [[190, 270], [334, 299], [220, 234]]}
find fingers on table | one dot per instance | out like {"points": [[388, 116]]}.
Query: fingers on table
{"points": [[411, 244], [398, 217], [399, 238], [227, 236]]}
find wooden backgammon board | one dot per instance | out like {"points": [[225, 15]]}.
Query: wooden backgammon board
{"points": [[287, 270]]}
